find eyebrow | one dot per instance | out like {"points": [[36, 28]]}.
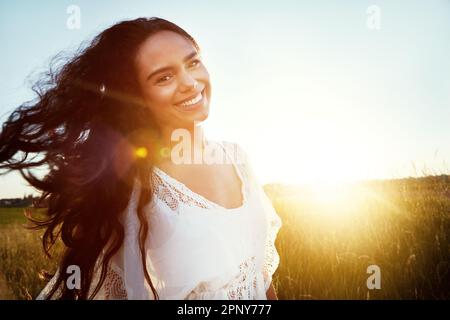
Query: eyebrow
{"points": [[188, 57]]}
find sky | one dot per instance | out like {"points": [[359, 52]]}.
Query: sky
{"points": [[314, 91]]}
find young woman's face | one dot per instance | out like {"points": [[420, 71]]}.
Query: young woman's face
{"points": [[173, 80]]}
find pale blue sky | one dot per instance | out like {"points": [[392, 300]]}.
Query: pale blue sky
{"points": [[306, 88]]}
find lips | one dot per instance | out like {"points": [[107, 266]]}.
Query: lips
{"points": [[193, 102], [190, 98]]}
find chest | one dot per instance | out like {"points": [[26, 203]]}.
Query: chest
{"points": [[217, 183]]}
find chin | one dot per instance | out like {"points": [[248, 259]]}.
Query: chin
{"points": [[200, 116]]}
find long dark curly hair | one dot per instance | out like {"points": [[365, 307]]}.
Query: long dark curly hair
{"points": [[85, 126]]}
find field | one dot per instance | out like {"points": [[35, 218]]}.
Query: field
{"points": [[21, 257], [330, 236]]}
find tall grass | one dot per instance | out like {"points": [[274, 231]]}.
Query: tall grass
{"points": [[401, 226], [328, 239], [21, 257]]}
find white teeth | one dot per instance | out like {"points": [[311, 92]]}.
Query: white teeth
{"points": [[192, 101]]}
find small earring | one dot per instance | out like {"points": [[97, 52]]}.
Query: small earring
{"points": [[102, 89]]}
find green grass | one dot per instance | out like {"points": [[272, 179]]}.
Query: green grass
{"points": [[328, 239], [21, 257], [11, 215]]}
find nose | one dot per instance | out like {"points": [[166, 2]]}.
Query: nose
{"points": [[187, 82]]}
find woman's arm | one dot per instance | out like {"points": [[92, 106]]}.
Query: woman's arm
{"points": [[271, 293]]}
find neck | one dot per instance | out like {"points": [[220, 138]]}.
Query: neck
{"points": [[192, 136]]}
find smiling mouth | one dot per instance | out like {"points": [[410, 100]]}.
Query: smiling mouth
{"points": [[194, 102]]}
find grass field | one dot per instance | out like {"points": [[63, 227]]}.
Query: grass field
{"points": [[21, 257], [330, 235]]}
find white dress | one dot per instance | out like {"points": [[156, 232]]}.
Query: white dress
{"points": [[197, 249]]}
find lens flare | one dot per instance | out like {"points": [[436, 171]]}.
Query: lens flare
{"points": [[141, 152], [164, 152]]}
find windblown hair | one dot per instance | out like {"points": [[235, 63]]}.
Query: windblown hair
{"points": [[86, 123]]}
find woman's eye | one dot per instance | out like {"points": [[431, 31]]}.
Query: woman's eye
{"points": [[163, 79], [192, 64], [195, 63]]}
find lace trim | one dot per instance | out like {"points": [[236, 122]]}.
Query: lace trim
{"points": [[173, 192], [172, 196], [243, 287], [114, 286], [271, 257]]}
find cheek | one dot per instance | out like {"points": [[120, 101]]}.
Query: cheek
{"points": [[205, 78], [159, 97]]}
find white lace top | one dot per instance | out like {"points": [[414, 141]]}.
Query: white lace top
{"points": [[197, 249]]}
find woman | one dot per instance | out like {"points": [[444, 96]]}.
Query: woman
{"points": [[136, 219]]}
